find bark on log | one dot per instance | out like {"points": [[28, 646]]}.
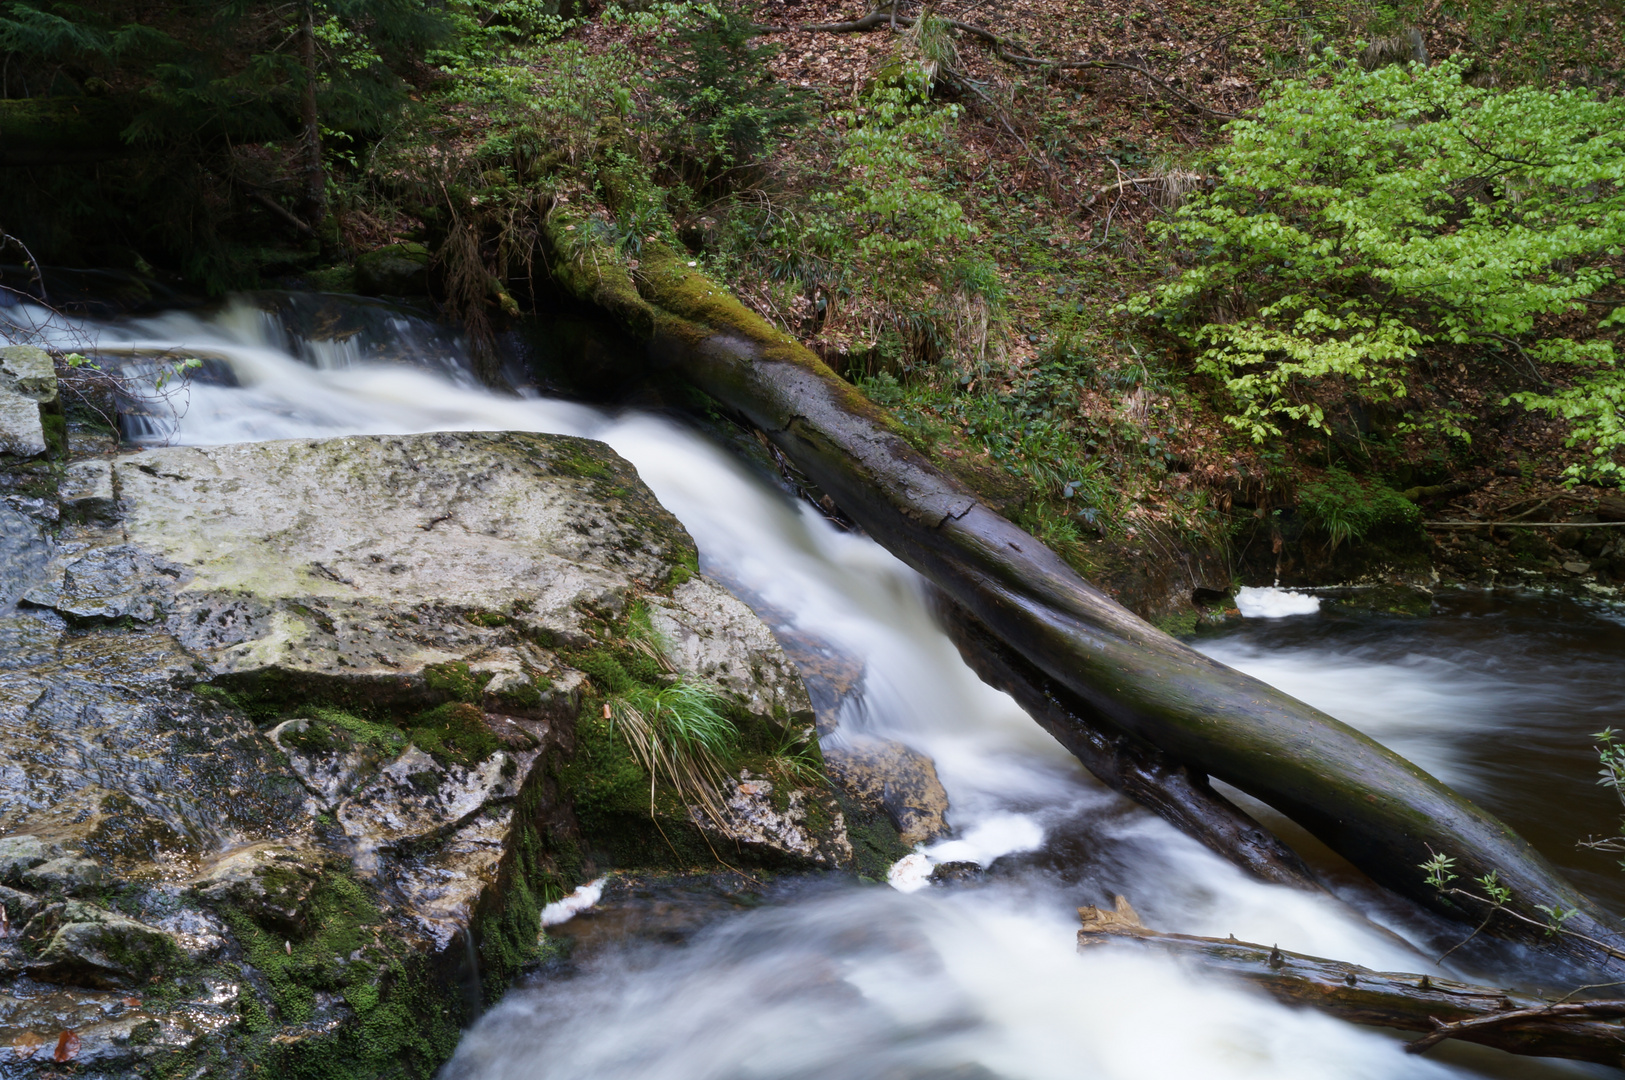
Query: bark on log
{"points": [[1379, 811], [1166, 787], [62, 131], [1508, 1020]]}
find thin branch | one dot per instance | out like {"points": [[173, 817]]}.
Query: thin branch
{"points": [[1454, 1030]]}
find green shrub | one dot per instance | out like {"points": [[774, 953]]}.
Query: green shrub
{"points": [[1344, 509], [726, 108], [1361, 218]]}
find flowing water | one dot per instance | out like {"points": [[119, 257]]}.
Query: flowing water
{"points": [[849, 981]]}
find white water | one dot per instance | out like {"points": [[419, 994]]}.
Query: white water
{"points": [[857, 982], [1268, 602]]}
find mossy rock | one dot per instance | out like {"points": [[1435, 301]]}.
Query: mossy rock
{"points": [[395, 270]]}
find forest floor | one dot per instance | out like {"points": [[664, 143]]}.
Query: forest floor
{"points": [[1077, 421]]}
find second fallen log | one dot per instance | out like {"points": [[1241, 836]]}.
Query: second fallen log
{"points": [[1517, 1022]]}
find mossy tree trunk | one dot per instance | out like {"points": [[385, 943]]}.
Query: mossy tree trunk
{"points": [[1378, 810]]}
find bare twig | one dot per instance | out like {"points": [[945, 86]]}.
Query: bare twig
{"points": [[1456, 1029]]}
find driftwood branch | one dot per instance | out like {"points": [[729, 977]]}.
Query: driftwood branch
{"points": [[281, 213], [1151, 778], [1004, 48], [1509, 1020]]}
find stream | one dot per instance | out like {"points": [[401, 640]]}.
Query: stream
{"points": [[982, 982]]}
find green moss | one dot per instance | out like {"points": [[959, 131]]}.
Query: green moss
{"points": [[488, 618], [456, 681], [526, 697], [686, 569], [582, 465], [381, 738], [454, 734], [55, 427], [332, 279], [336, 920], [617, 671], [875, 841], [1179, 624]]}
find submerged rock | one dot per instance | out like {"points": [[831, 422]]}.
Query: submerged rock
{"points": [[284, 729], [893, 779]]}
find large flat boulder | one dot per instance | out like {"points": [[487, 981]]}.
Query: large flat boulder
{"points": [[303, 709]]}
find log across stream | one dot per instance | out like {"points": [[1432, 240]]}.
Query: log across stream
{"points": [[1384, 814], [857, 980]]}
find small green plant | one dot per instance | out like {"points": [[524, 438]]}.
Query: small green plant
{"points": [[725, 108], [798, 756], [1438, 871], [679, 734], [1344, 509]]}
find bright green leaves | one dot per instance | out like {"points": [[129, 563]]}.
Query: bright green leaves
{"points": [[1362, 218], [896, 212]]}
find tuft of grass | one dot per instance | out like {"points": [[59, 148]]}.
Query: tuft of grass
{"points": [[680, 735]]}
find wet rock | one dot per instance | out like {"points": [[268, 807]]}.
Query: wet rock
{"points": [[328, 776], [27, 381], [28, 370], [890, 778], [25, 552], [957, 873], [376, 557], [415, 797], [84, 945], [797, 825], [19, 854], [270, 883], [20, 906], [69, 874], [86, 490], [712, 635], [303, 705]]}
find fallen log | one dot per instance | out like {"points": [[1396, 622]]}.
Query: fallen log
{"points": [[1379, 811], [1509, 1020], [1166, 787]]}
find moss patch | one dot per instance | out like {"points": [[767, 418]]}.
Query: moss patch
{"points": [[456, 681], [331, 730], [454, 734]]}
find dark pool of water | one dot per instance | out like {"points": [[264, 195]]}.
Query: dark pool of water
{"points": [[1498, 695]]}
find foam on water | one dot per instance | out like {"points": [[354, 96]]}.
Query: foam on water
{"points": [[855, 982], [1269, 602]]}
